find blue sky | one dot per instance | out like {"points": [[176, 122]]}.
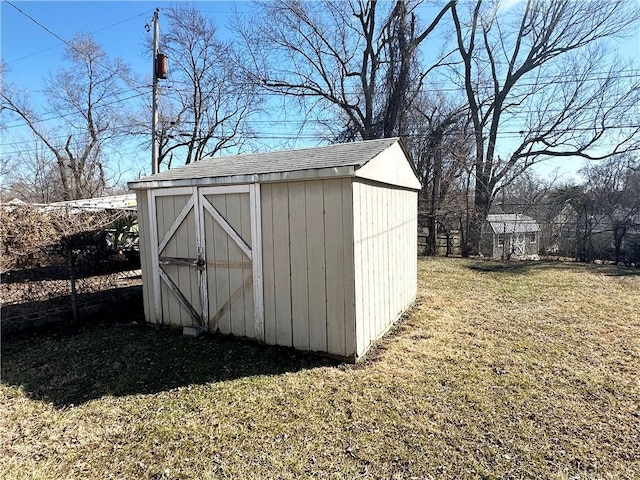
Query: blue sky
{"points": [[31, 52]]}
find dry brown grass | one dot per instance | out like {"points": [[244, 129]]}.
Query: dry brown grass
{"points": [[520, 371]]}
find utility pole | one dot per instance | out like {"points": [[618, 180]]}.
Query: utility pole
{"points": [[155, 146]]}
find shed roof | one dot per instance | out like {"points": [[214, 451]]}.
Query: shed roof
{"points": [[340, 160], [512, 223]]}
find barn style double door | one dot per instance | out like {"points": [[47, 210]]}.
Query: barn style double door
{"points": [[206, 258]]}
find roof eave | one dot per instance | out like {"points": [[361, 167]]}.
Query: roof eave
{"points": [[273, 177]]}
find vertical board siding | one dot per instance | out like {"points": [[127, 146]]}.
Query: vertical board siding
{"points": [[168, 209], [299, 269], [210, 254], [191, 274], [267, 266], [384, 257], [255, 218], [389, 254], [144, 227], [223, 281], [281, 263], [412, 247], [338, 261], [190, 291], [368, 295], [182, 275], [358, 252], [233, 215], [348, 270], [316, 266], [334, 260], [309, 297], [378, 232], [183, 215], [164, 208], [229, 271]]}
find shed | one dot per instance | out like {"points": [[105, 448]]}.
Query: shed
{"points": [[313, 249], [511, 235]]}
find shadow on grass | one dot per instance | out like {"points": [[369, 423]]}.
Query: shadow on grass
{"points": [[60, 272], [522, 267], [124, 359], [92, 307]]}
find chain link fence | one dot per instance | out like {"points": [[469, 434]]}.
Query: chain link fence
{"points": [[65, 264]]}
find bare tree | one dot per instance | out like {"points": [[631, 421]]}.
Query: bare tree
{"points": [[356, 59], [540, 82], [613, 190], [32, 174], [206, 102], [85, 98], [526, 194], [438, 140]]}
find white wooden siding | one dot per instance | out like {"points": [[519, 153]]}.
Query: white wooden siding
{"points": [[385, 223], [348, 273], [316, 267], [334, 261], [281, 263], [298, 249], [181, 244], [268, 270], [307, 265], [186, 220], [229, 265], [390, 167], [145, 255]]}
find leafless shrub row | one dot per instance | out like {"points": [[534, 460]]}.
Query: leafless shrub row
{"points": [[49, 258]]}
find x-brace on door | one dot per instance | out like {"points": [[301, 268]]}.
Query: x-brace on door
{"points": [[207, 260]]}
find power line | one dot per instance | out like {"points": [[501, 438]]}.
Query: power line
{"points": [[274, 94], [555, 80], [73, 144], [56, 46], [552, 80], [48, 30], [505, 135], [41, 25], [65, 115], [58, 115]]}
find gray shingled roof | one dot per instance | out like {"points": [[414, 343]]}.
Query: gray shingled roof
{"points": [[512, 222], [354, 154]]}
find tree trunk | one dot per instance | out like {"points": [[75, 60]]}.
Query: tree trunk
{"points": [[435, 196], [464, 245], [618, 235], [482, 204]]}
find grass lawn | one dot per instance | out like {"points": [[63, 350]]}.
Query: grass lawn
{"points": [[529, 370]]}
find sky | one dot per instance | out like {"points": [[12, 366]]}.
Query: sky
{"points": [[33, 47], [119, 26]]}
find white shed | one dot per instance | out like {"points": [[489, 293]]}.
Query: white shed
{"points": [[313, 248]]}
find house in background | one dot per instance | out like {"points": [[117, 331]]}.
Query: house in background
{"points": [[510, 236], [587, 236]]}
